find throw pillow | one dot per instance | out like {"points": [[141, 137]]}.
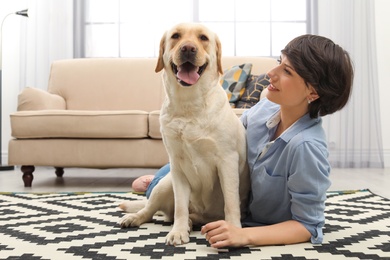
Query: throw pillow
{"points": [[254, 86], [233, 81]]}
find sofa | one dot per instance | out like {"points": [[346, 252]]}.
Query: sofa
{"points": [[103, 113]]}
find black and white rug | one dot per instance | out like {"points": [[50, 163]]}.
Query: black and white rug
{"points": [[84, 226]]}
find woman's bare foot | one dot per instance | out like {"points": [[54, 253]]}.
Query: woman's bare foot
{"points": [[141, 183]]}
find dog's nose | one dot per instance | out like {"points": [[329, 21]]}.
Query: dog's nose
{"points": [[188, 49]]}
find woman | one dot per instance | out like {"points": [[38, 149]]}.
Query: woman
{"points": [[287, 152]]}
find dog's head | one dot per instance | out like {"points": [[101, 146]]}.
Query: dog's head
{"points": [[187, 51]]}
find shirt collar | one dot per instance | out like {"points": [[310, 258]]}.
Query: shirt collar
{"points": [[273, 120], [298, 126]]}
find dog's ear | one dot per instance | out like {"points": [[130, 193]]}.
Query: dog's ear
{"points": [[219, 54], [160, 60]]}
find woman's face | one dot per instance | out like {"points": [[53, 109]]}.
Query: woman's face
{"points": [[287, 88]]}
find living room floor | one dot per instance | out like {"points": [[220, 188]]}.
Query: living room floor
{"points": [[119, 180]]}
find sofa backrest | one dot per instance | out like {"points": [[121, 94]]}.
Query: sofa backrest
{"points": [[121, 83], [107, 83], [260, 65]]}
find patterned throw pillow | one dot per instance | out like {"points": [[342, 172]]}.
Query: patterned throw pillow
{"points": [[254, 86], [233, 81]]}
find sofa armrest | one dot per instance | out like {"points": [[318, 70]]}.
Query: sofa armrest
{"points": [[37, 99]]}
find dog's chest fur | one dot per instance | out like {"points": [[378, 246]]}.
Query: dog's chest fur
{"points": [[188, 137], [188, 130]]}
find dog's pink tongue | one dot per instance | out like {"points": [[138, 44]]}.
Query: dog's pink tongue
{"points": [[189, 76]]}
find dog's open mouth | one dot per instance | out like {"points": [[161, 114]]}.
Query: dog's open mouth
{"points": [[188, 74]]}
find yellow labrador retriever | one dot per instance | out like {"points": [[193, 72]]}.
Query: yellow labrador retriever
{"points": [[205, 140]]}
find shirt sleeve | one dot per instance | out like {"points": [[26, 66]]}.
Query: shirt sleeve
{"points": [[244, 118], [307, 184]]}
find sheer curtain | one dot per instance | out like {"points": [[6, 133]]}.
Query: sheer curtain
{"points": [[49, 37], [30, 46], [354, 134]]}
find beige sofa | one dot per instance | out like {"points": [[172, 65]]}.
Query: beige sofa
{"points": [[96, 113]]}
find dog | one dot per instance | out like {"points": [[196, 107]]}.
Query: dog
{"points": [[205, 140]]}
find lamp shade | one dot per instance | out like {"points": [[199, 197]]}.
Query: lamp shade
{"points": [[23, 12]]}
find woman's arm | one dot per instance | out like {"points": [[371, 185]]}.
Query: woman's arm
{"points": [[222, 234]]}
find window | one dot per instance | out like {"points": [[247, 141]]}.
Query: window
{"points": [[129, 28]]}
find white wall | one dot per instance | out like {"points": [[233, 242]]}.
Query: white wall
{"points": [[14, 28], [383, 43]]}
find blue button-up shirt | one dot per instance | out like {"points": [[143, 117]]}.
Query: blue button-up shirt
{"points": [[289, 176]]}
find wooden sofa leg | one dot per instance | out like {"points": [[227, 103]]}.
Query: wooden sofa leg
{"points": [[27, 174], [59, 171]]}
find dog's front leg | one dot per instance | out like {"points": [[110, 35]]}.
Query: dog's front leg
{"points": [[228, 173], [161, 199], [180, 233]]}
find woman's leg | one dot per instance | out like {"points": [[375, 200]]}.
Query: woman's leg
{"points": [[162, 172]]}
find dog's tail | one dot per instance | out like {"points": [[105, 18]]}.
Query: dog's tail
{"points": [[132, 206]]}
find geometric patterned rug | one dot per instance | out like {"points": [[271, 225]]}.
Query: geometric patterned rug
{"points": [[84, 226]]}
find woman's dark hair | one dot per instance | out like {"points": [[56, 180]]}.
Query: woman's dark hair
{"points": [[325, 66]]}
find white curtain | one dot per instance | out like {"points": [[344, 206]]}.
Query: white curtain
{"points": [[354, 134], [30, 46], [49, 37]]}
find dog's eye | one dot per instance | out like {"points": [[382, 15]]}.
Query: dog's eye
{"points": [[175, 36], [204, 37]]}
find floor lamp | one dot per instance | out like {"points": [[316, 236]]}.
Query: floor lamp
{"points": [[22, 13]]}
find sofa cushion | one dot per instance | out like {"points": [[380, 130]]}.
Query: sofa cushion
{"points": [[79, 124], [254, 86], [154, 125], [233, 81]]}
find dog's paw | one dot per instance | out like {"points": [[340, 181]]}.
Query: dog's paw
{"points": [[176, 238], [131, 220]]}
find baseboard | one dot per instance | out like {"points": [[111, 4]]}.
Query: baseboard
{"points": [[4, 159], [4, 164], [386, 158]]}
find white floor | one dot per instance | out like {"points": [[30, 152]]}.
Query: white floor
{"points": [[117, 180]]}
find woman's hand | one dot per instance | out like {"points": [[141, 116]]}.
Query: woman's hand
{"points": [[223, 234]]}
